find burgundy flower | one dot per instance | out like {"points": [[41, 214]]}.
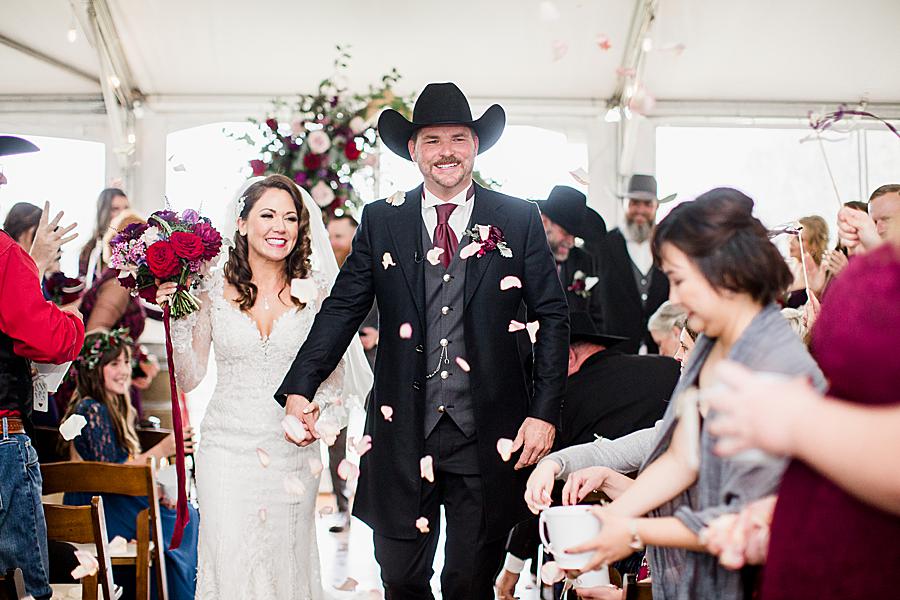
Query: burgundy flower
{"points": [[211, 238], [300, 177], [168, 216], [186, 245], [128, 282], [312, 161], [351, 151], [272, 124], [162, 260], [258, 166], [148, 293], [134, 230]]}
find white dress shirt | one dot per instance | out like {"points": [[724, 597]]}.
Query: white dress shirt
{"points": [[640, 252], [459, 218]]}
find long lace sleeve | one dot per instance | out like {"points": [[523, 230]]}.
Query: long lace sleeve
{"points": [[191, 340], [330, 395], [98, 441]]}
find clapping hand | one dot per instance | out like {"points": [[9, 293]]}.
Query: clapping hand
{"points": [[48, 238]]}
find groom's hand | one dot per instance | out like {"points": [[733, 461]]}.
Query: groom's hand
{"points": [[307, 412], [535, 438]]}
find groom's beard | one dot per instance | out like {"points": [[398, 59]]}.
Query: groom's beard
{"points": [[639, 232]]}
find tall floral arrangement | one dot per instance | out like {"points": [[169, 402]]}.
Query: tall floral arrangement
{"points": [[321, 140]]}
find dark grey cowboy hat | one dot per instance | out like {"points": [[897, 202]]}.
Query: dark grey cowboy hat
{"points": [[643, 187], [10, 144], [440, 104], [583, 329], [567, 207]]}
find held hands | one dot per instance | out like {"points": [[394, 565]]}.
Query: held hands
{"points": [[308, 413], [535, 438], [48, 238]]}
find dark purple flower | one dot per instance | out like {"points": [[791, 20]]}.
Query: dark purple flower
{"points": [[300, 177], [190, 216], [166, 215], [211, 238], [322, 173]]}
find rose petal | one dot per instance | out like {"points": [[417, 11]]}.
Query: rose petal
{"points": [[463, 364], [263, 457], [603, 42], [387, 412], [304, 290], [87, 564], [470, 250], [422, 524], [387, 260], [504, 448], [294, 428], [426, 468], [293, 485], [509, 282], [326, 510], [118, 545], [515, 326], [560, 49], [581, 176], [550, 573], [484, 231], [315, 466], [532, 330], [349, 585], [363, 445], [434, 255], [328, 429], [405, 331], [263, 514], [347, 470], [397, 198], [71, 427], [625, 72]]}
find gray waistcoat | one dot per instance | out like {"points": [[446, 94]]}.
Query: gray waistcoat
{"points": [[447, 389]]}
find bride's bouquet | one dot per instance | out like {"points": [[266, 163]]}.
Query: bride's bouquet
{"points": [[169, 247]]}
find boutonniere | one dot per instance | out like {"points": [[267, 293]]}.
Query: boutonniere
{"points": [[396, 199], [582, 284], [484, 239]]}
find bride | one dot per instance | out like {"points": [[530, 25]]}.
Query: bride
{"points": [[257, 491]]}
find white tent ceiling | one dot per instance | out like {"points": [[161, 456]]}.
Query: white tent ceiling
{"points": [[736, 50]]}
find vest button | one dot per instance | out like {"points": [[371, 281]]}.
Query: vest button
{"points": [[444, 374], [446, 277], [644, 297], [445, 310], [444, 342], [441, 409], [420, 348], [416, 385]]}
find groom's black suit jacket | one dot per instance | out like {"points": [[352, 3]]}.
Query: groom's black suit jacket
{"points": [[390, 483]]}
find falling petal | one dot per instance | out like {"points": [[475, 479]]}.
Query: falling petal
{"points": [[581, 176], [304, 290], [560, 49], [549, 12], [397, 198], [470, 250], [179, 168], [347, 470], [532, 330], [426, 468], [294, 429], [263, 514], [463, 364], [405, 331], [625, 72], [642, 102], [326, 510], [72, 427], [387, 412], [328, 430], [315, 466], [509, 282], [118, 545], [293, 485], [434, 255], [515, 326], [550, 573], [263, 457], [87, 564], [422, 524], [349, 585], [387, 260], [504, 448], [363, 445], [676, 49], [603, 42]]}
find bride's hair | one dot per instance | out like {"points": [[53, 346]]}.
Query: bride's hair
{"points": [[296, 265]]}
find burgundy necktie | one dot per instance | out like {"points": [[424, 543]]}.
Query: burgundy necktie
{"points": [[443, 233]]}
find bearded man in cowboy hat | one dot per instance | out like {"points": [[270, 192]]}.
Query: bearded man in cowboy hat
{"points": [[454, 267], [632, 287], [566, 215]]}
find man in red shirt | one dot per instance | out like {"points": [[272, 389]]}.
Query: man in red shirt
{"points": [[31, 329]]}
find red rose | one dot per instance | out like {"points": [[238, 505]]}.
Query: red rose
{"points": [[162, 260], [186, 245], [272, 124], [351, 151], [258, 166], [312, 161]]}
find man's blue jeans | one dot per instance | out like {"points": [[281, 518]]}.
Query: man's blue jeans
{"points": [[23, 530]]}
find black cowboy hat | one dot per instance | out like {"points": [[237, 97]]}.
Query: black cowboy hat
{"points": [[440, 104], [567, 207], [643, 187], [10, 144], [583, 329]]}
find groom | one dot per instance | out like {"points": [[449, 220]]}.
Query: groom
{"points": [[458, 382]]}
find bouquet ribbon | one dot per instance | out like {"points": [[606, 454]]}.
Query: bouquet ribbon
{"points": [[182, 516]]}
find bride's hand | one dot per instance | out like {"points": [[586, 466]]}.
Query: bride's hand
{"points": [[165, 291], [308, 413]]}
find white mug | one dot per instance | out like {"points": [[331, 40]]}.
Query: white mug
{"points": [[592, 579], [568, 526]]}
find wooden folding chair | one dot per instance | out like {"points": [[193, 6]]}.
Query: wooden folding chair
{"points": [[12, 585], [85, 525], [128, 480], [637, 590]]}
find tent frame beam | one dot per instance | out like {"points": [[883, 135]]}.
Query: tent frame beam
{"points": [[46, 58]]}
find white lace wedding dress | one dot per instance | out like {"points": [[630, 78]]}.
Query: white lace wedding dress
{"points": [[257, 533]]}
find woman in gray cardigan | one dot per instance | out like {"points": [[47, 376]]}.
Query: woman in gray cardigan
{"points": [[726, 272]]}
